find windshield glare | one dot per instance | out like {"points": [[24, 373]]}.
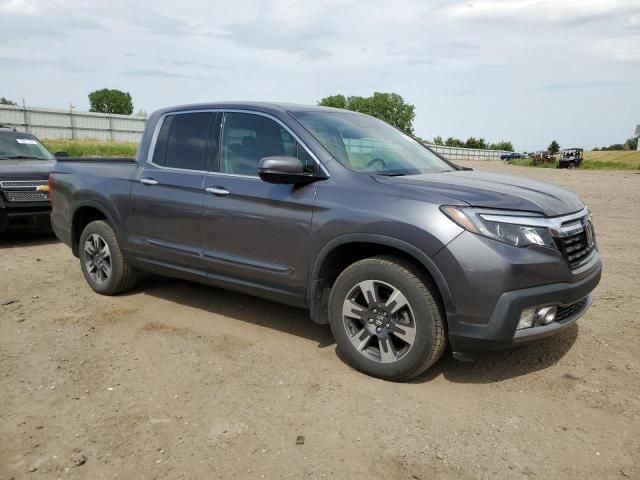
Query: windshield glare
{"points": [[366, 144], [22, 146]]}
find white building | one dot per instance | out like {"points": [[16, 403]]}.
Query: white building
{"points": [[637, 135]]}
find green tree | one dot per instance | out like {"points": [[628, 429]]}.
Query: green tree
{"points": [[453, 142], [389, 107], [438, 140], [111, 101], [6, 101], [503, 145], [473, 142], [554, 147], [335, 101], [631, 144]]}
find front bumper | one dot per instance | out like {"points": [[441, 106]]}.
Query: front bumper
{"points": [[500, 332], [30, 216], [491, 283]]}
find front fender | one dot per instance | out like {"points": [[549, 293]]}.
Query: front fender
{"points": [[423, 259]]}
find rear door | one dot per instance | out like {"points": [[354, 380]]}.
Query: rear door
{"points": [[256, 232], [167, 195]]}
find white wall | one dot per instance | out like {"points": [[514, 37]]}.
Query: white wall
{"points": [[47, 123]]}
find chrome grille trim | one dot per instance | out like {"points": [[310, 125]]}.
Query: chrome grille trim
{"points": [[21, 184]]}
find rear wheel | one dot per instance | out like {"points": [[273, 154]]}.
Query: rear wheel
{"points": [[385, 318], [102, 262]]}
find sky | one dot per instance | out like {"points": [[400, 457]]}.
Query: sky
{"points": [[529, 71]]}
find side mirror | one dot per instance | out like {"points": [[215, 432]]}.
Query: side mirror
{"points": [[61, 155], [284, 170]]}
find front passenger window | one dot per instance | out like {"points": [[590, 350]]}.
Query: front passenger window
{"points": [[247, 138]]}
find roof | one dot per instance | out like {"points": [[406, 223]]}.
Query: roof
{"points": [[265, 107]]}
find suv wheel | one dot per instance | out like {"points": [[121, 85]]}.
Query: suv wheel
{"points": [[385, 318], [102, 262]]}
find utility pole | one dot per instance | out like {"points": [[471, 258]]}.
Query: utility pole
{"points": [[72, 122], [25, 117]]}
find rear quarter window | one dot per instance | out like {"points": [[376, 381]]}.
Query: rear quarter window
{"points": [[184, 141]]}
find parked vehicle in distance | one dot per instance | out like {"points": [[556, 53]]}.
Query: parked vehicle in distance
{"points": [[402, 252], [570, 158], [511, 156], [24, 167], [543, 157]]}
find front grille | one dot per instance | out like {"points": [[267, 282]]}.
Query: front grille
{"points": [[569, 310], [21, 184], [578, 245], [21, 196]]}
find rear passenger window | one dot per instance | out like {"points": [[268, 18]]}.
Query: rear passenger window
{"points": [[247, 138], [184, 141]]}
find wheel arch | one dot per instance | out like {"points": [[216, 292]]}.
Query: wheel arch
{"points": [[347, 249], [84, 214]]}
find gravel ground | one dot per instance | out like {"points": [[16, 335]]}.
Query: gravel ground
{"points": [[178, 380]]}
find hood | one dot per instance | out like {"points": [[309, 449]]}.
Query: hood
{"points": [[25, 169], [493, 190]]}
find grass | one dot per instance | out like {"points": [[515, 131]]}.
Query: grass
{"points": [[617, 160], [92, 148]]}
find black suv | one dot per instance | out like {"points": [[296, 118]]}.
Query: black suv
{"points": [[24, 168]]}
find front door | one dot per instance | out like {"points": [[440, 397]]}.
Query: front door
{"points": [[165, 219], [256, 232]]}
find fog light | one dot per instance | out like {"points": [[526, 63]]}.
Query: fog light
{"points": [[527, 317], [546, 315]]}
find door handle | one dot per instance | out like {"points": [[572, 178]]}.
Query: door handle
{"points": [[217, 191], [148, 181]]}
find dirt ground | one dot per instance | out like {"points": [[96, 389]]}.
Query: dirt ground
{"points": [[178, 380]]}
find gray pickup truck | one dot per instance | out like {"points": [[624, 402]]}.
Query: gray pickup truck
{"points": [[403, 253]]}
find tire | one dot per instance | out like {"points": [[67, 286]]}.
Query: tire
{"points": [[101, 260], [404, 315]]}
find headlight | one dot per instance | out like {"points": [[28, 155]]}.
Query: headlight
{"points": [[502, 225]]}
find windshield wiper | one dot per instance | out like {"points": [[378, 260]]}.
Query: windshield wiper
{"points": [[27, 157], [392, 174]]}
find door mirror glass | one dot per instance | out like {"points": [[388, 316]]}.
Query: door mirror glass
{"points": [[284, 170]]}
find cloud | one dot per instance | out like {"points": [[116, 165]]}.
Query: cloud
{"points": [[562, 11], [262, 36], [585, 85], [23, 7], [621, 49], [188, 63], [33, 24], [151, 72]]}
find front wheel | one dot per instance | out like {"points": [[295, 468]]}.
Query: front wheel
{"points": [[102, 262], [385, 318]]}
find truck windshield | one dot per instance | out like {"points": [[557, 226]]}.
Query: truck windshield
{"points": [[22, 146], [366, 144]]}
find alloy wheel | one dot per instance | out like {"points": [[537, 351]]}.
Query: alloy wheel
{"points": [[97, 258], [379, 321]]}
